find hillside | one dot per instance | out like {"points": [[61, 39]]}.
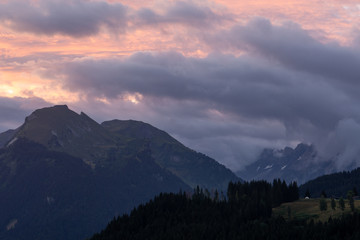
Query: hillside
{"points": [[64, 176], [174, 156], [5, 137], [41, 189], [336, 184], [310, 210], [178, 216]]}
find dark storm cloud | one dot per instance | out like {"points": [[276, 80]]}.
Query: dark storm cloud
{"points": [[243, 86], [293, 47], [182, 12], [14, 110], [74, 17], [285, 80], [251, 94]]}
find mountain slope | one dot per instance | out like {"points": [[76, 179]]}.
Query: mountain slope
{"points": [[63, 175], [192, 167], [52, 195], [300, 164], [336, 184], [5, 137], [61, 129]]}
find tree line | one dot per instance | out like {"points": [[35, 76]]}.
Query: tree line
{"points": [[333, 185], [203, 215]]}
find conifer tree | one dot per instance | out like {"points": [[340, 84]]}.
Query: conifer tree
{"points": [[350, 196], [333, 204], [289, 212], [342, 204], [323, 204]]}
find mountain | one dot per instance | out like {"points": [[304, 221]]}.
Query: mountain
{"points": [[336, 184], [64, 176], [60, 129], [299, 164], [6, 137], [192, 167], [53, 195]]}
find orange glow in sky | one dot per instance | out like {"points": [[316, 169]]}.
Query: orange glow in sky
{"points": [[25, 54], [228, 77]]}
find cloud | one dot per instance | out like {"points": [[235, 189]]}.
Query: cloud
{"points": [[244, 86], [285, 87], [80, 18], [342, 144], [285, 80], [356, 37], [230, 141], [72, 17], [294, 48], [186, 13], [204, 93], [14, 110]]}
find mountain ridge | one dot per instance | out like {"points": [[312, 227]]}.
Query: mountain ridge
{"points": [[299, 164], [6, 136], [173, 155], [72, 175], [61, 129]]}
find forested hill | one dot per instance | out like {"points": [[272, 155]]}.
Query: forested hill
{"points": [[212, 221], [203, 215], [244, 214], [336, 184]]}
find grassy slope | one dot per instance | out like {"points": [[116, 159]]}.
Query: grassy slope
{"points": [[309, 209]]}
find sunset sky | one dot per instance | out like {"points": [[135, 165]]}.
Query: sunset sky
{"points": [[227, 78]]}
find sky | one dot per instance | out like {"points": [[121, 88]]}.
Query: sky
{"points": [[227, 78]]}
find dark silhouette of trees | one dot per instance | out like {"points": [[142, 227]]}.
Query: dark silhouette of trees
{"points": [[355, 191], [342, 204], [333, 204], [323, 194], [336, 184], [289, 212], [350, 197], [323, 204], [180, 217]]}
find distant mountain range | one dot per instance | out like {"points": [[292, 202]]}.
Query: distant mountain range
{"points": [[303, 165], [300, 164], [64, 176]]}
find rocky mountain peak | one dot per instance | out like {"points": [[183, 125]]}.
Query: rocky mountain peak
{"points": [[292, 164], [62, 129]]}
